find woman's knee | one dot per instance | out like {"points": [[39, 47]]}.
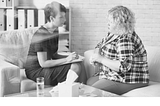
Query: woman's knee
{"points": [[92, 80]]}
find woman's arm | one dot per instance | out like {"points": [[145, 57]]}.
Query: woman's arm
{"points": [[112, 64], [42, 59]]}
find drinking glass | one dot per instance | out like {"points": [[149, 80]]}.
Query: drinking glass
{"points": [[40, 86]]}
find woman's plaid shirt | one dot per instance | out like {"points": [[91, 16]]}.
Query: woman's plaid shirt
{"points": [[130, 51]]}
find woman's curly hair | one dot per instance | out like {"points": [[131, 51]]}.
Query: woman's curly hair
{"points": [[124, 19]]}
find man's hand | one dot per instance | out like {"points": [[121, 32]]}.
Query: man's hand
{"points": [[72, 57]]}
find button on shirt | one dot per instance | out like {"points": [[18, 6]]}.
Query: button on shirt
{"points": [[130, 51]]}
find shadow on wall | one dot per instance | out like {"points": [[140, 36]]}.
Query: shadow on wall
{"points": [[26, 3]]}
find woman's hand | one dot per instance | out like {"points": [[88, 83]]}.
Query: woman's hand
{"points": [[96, 51], [95, 58], [72, 57]]}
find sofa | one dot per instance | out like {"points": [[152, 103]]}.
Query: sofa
{"points": [[14, 46], [153, 89]]}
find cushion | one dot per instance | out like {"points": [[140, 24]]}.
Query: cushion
{"points": [[27, 85], [153, 54], [14, 45], [149, 91]]}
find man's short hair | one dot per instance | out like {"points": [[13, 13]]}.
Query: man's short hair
{"points": [[52, 9]]}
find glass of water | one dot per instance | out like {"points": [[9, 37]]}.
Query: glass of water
{"points": [[40, 86]]}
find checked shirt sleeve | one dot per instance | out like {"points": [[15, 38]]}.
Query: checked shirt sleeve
{"points": [[100, 43], [125, 49]]}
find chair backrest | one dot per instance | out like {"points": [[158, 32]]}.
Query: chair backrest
{"points": [[153, 56], [14, 45]]}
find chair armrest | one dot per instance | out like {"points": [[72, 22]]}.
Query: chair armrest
{"points": [[90, 69], [9, 78], [22, 74]]}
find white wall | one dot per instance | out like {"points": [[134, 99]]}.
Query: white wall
{"points": [[89, 22]]}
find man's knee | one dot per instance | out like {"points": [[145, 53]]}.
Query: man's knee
{"points": [[76, 68]]}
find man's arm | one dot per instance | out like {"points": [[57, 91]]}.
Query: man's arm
{"points": [[59, 56]]}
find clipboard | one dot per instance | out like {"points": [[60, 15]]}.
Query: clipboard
{"points": [[80, 59]]}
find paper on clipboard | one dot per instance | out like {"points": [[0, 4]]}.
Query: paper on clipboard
{"points": [[76, 60]]}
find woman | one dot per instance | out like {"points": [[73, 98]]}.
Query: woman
{"points": [[121, 55], [43, 59]]}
